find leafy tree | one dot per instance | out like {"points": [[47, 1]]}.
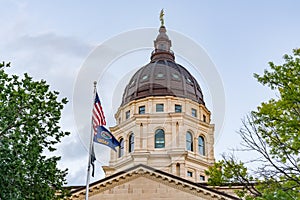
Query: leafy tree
{"points": [[29, 116], [273, 131]]}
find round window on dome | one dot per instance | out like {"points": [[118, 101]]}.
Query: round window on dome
{"points": [[160, 75], [189, 81], [132, 83], [145, 77], [175, 76]]}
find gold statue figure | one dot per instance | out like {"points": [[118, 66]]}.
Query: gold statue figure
{"points": [[161, 17]]}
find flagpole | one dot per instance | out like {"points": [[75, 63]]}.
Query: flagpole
{"points": [[90, 151]]}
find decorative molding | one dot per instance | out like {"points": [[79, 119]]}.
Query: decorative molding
{"points": [[151, 175]]}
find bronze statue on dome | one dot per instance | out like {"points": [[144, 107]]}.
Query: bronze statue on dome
{"points": [[161, 17]]}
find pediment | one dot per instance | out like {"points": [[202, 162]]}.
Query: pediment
{"points": [[143, 182]]}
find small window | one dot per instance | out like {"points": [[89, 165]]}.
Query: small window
{"points": [[159, 138], [121, 148], [189, 81], [162, 46], [175, 76], [160, 75], [204, 118], [178, 169], [132, 83], [119, 120], [189, 141], [142, 110], [145, 77], [127, 114], [201, 145], [189, 174], [194, 112], [131, 143], [178, 108], [159, 107], [202, 178]]}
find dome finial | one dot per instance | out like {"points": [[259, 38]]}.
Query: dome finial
{"points": [[161, 17]]}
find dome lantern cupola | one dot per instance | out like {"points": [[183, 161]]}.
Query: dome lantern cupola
{"points": [[162, 44]]}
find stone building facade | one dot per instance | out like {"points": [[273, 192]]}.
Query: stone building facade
{"points": [[144, 182]]}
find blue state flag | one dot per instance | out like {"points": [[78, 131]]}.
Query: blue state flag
{"points": [[104, 136]]}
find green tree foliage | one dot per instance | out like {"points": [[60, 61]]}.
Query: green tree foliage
{"points": [[273, 131], [29, 116]]}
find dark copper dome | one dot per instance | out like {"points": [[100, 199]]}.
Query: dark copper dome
{"points": [[162, 76]]}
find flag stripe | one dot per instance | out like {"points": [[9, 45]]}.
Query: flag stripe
{"points": [[100, 113], [98, 117]]}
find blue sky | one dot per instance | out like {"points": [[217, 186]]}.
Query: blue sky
{"points": [[51, 40]]}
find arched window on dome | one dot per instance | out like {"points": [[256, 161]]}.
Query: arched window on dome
{"points": [[201, 145], [159, 138], [189, 141], [121, 148], [131, 143]]}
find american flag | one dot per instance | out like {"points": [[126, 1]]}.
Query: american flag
{"points": [[98, 119], [98, 114]]}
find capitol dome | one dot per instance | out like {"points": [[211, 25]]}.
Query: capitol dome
{"points": [[162, 76], [162, 121]]}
